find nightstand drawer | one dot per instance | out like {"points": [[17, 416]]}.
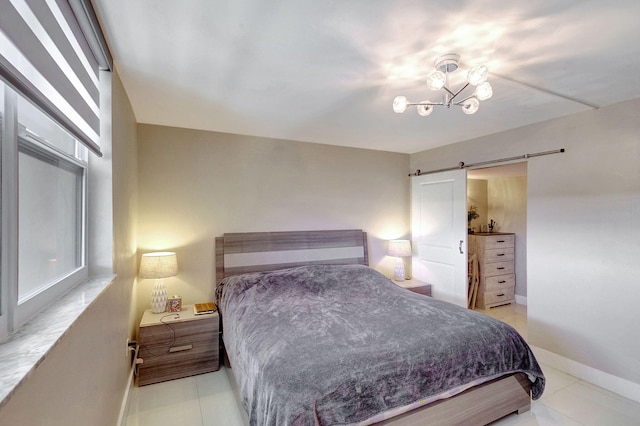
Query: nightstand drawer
{"points": [[423, 289], [200, 358], [158, 338], [415, 286]]}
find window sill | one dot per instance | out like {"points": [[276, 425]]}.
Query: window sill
{"points": [[25, 349]]}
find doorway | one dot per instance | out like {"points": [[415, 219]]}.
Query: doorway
{"points": [[500, 195]]}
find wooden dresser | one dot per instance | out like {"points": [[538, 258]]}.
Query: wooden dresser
{"points": [[175, 345], [496, 264]]}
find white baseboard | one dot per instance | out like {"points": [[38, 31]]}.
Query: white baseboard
{"points": [[521, 300], [124, 406], [599, 378]]}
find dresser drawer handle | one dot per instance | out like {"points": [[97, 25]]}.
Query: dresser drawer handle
{"points": [[501, 282], [501, 294], [500, 254], [500, 267], [501, 241]]}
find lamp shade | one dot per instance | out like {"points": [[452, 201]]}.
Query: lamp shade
{"points": [[158, 265], [399, 248]]}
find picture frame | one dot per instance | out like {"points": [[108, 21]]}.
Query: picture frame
{"points": [[175, 303]]}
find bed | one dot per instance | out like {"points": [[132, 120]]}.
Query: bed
{"points": [[316, 337]]}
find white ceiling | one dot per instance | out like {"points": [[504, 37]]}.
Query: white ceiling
{"points": [[327, 71]]}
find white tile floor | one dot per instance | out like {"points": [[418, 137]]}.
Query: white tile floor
{"points": [[208, 399]]}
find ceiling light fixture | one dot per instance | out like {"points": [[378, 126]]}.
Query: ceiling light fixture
{"points": [[439, 80]]}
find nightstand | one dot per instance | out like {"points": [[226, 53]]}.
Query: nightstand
{"points": [[415, 286], [177, 344]]}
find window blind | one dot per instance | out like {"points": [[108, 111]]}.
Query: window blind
{"points": [[45, 55]]}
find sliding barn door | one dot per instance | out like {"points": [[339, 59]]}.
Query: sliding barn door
{"points": [[439, 233]]}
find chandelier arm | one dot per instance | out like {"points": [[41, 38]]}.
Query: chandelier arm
{"points": [[424, 103], [450, 92], [459, 103], [458, 92]]}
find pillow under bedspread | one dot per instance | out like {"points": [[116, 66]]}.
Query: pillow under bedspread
{"points": [[336, 344]]}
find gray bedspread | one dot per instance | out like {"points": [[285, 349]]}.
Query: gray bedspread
{"points": [[339, 344]]}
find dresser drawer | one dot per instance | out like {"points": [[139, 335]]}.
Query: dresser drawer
{"points": [[499, 254], [500, 282], [497, 268], [499, 296], [498, 241]]}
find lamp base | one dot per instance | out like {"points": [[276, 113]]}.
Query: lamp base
{"points": [[398, 271], [158, 297]]}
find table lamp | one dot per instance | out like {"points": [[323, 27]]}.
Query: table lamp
{"points": [[158, 266], [399, 249]]}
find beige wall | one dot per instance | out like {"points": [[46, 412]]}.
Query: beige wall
{"points": [[477, 196], [583, 228], [196, 185], [125, 203], [82, 380]]}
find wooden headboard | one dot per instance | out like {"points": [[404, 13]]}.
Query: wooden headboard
{"points": [[239, 253]]}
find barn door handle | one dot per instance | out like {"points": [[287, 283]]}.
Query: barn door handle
{"points": [[460, 246]]}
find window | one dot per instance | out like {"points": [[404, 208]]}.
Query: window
{"points": [[51, 54], [50, 178]]}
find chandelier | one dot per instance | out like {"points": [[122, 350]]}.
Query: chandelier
{"points": [[439, 80]]}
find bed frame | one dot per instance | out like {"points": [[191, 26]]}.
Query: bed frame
{"points": [[238, 253]]}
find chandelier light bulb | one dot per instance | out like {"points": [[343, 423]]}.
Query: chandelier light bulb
{"points": [[436, 80], [470, 106], [425, 110], [478, 74], [483, 91], [400, 104]]}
